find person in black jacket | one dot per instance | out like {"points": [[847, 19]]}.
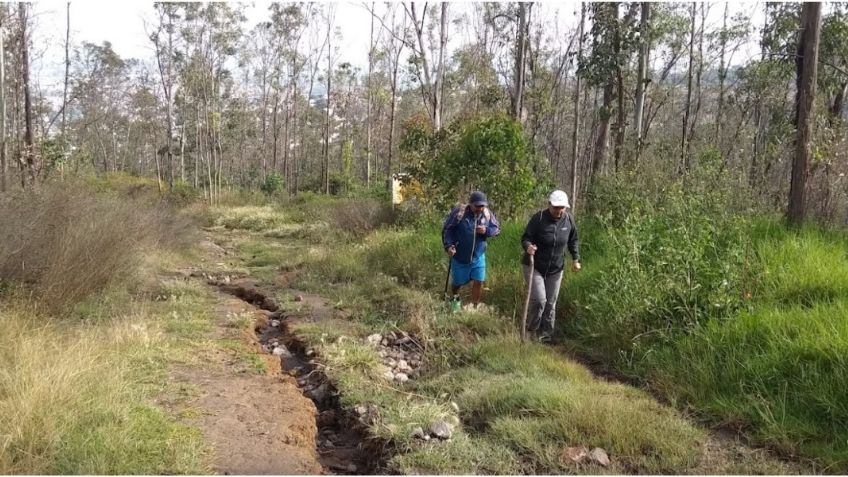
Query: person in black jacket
{"points": [[547, 234]]}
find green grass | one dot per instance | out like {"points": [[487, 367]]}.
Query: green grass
{"points": [[249, 360], [530, 399], [772, 369], [462, 455], [78, 399], [253, 218], [393, 280], [721, 351]]}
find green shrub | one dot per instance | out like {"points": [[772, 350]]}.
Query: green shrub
{"points": [[274, 184], [674, 261], [183, 193], [489, 153]]}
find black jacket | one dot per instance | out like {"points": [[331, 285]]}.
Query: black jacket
{"points": [[550, 238]]}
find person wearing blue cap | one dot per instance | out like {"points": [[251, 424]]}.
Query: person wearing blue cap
{"points": [[545, 239], [464, 235]]}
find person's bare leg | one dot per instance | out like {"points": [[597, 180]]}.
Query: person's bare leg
{"points": [[455, 289], [476, 292]]}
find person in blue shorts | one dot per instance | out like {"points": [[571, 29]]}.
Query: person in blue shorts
{"points": [[464, 235]]}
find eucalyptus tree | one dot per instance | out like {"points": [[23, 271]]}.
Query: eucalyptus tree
{"points": [[101, 81], [28, 153], [833, 73], [211, 34], [428, 57], [162, 37], [602, 68], [289, 22], [3, 165], [805, 101]]}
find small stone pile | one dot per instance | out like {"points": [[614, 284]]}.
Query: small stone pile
{"points": [[437, 430], [582, 455], [277, 348], [400, 353], [222, 278]]}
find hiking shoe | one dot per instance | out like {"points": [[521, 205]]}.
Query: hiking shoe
{"points": [[545, 339], [456, 304]]}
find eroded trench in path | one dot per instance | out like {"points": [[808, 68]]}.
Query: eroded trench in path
{"points": [[342, 441]]}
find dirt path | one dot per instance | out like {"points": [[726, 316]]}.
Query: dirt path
{"points": [[262, 406], [341, 443], [256, 424]]}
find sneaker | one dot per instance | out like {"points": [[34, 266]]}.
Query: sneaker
{"points": [[545, 339], [456, 304]]}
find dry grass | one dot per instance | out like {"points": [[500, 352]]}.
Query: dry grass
{"points": [[361, 217], [65, 244], [69, 403]]}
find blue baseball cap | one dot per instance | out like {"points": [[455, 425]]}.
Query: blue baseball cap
{"points": [[477, 198]]}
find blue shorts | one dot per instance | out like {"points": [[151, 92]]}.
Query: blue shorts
{"points": [[463, 273]]}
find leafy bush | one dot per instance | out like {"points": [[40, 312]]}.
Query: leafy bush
{"points": [[183, 193], [489, 153], [341, 184], [274, 183], [675, 260]]}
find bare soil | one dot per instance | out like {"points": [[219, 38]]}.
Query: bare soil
{"points": [[257, 424]]}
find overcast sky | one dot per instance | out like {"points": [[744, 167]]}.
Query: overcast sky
{"points": [[123, 24]]}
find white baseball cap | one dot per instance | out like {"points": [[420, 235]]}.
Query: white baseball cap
{"points": [[558, 198]]}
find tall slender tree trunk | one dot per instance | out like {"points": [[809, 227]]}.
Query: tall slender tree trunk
{"points": [[722, 77], [575, 136], [438, 86], [602, 140], [698, 73], [326, 166], [182, 141], [760, 113], [392, 113], [3, 166], [368, 124], [158, 166], [29, 147], [642, 76], [170, 108], [292, 186], [198, 160], [520, 62], [306, 114], [807, 72], [838, 104], [67, 68], [275, 132], [210, 152], [264, 122], [286, 138], [14, 124], [621, 125], [683, 166]]}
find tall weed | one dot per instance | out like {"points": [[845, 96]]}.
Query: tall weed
{"points": [[65, 243]]}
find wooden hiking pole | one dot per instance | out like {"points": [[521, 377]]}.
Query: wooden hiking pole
{"points": [[527, 302], [447, 279]]}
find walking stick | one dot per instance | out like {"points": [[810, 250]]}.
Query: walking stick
{"points": [[447, 280], [527, 302]]}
